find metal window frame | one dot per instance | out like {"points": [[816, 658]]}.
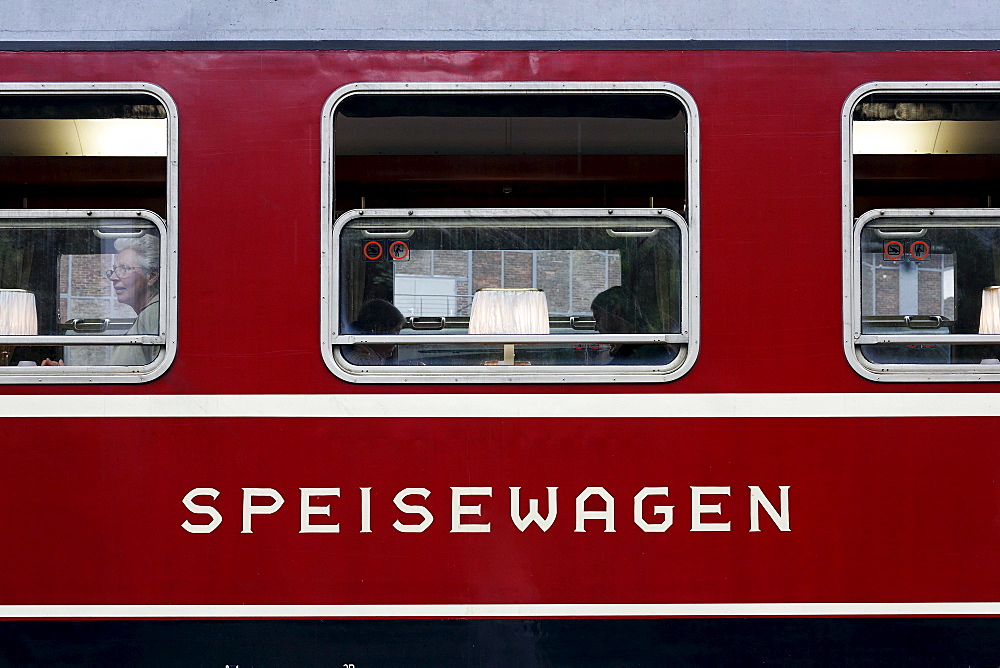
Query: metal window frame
{"points": [[329, 255], [851, 234], [168, 255]]}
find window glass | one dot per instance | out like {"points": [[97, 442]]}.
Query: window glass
{"points": [[927, 285], [418, 283], [575, 202], [76, 281]]}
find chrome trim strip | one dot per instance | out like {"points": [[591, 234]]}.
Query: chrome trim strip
{"points": [[500, 610]]}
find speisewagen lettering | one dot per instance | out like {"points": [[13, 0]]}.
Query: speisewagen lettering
{"points": [[594, 509]]}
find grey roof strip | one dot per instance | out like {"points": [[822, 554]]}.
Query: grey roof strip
{"points": [[506, 45]]}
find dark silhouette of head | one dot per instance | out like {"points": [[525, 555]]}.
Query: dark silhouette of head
{"points": [[378, 316], [616, 312]]}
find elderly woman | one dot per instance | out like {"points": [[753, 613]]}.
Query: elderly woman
{"points": [[135, 280]]}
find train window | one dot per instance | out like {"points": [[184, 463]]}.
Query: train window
{"points": [[924, 235], [87, 232], [466, 243]]}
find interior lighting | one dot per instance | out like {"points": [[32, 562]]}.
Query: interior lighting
{"points": [[18, 317], [989, 316], [105, 137], [509, 311]]}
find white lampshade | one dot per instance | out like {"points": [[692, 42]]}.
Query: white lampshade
{"points": [[500, 311], [17, 313], [989, 316]]}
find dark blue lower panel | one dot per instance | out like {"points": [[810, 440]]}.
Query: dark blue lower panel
{"points": [[548, 642]]}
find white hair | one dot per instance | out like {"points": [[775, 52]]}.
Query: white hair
{"points": [[147, 251]]}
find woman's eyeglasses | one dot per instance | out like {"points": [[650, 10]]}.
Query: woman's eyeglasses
{"points": [[119, 271]]}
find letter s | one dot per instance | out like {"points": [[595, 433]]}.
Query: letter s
{"points": [[202, 510], [413, 509]]}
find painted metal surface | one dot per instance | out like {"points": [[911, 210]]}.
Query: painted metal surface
{"points": [[449, 20], [753, 181], [890, 510], [871, 518]]}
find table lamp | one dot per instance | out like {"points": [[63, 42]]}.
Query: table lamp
{"points": [[989, 316], [509, 311], [18, 317]]}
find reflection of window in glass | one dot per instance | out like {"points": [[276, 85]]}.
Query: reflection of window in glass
{"points": [[446, 284], [908, 286], [447, 202], [85, 189]]}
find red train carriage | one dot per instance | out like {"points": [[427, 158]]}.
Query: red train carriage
{"points": [[480, 334]]}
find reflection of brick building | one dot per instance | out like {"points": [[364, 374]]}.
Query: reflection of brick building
{"points": [[906, 287], [442, 282]]}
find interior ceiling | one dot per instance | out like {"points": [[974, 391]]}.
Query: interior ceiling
{"points": [[926, 137], [487, 136], [937, 108], [426, 135], [83, 137]]}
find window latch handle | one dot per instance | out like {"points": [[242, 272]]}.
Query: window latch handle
{"points": [[427, 322], [90, 324], [923, 321]]}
